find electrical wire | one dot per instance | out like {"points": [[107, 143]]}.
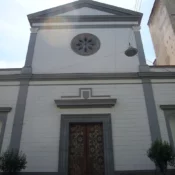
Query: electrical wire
{"points": [[140, 5], [136, 4]]}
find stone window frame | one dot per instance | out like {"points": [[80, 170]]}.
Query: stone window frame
{"points": [[66, 120], [169, 109], [3, 118]]}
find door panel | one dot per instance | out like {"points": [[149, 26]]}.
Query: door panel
{"points": [[95, 154], [76, 150], [86, 154]]}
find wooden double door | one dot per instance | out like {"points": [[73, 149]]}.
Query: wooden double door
{"points": [[86, 152]]}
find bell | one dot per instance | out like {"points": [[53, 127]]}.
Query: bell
{"points": [[131, 51]]}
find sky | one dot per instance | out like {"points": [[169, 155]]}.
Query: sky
{"points": [[15, 29]]}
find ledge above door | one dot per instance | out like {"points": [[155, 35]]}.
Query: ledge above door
{"points": [[86, 103]]}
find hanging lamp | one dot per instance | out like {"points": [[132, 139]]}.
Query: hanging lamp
{"points": [[131, 51]]}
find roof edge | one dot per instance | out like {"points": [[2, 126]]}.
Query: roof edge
{"points": [[10, 69], [85, 18], [79, 4], [53, 9]]}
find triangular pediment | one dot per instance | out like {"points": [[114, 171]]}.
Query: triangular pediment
{"points": [[84, 8], [85, 11]]}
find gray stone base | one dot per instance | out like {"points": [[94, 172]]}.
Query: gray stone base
{"points": [[143, 172], [31, 173]]}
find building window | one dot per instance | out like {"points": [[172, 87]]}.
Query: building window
{"points": [[85, 44], [0, 127], [169, 112], [171, 119], [3, 118]]}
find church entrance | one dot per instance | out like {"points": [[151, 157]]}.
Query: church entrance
{"points": [[86, 151]]}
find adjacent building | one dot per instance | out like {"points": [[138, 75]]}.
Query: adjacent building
{"points": [[162, 28], [81, 106]]}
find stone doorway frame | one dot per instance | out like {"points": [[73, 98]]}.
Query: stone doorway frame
{"points": [[66, 119]]}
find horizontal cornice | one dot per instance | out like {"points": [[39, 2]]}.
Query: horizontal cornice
{"points": [[86, 103], [5, 109], [87, 76], [167, 107], [85, 18], [116, 11], [10, 69]]}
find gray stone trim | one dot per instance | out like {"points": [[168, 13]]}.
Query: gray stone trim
{"points": [[131, 172], [79, 4], [163, 66], [157, 75], [24, 78], [3, 118], [19, 115], [87, 26], [147, 89], [85, 84], [86, 18], [32, 173], [151, 110], [5, 109], [86, 103], [167, 107], [29, 58], [139, 44], [10, 69], [75, 84], [143, 172], [91, 94], [86, 118], [88, 76]]}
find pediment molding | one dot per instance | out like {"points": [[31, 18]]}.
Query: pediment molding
{"points": [[112, 10], [86, 99]]}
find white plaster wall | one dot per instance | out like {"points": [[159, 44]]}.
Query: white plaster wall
{"points": [[53, 53], [41, 130], [164, 94], [85, 11], [8, 98]]}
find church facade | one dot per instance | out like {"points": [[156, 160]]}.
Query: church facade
{"points": [[80, 105]]}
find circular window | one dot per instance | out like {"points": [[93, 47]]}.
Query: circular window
{"points": [[85, 44]]}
